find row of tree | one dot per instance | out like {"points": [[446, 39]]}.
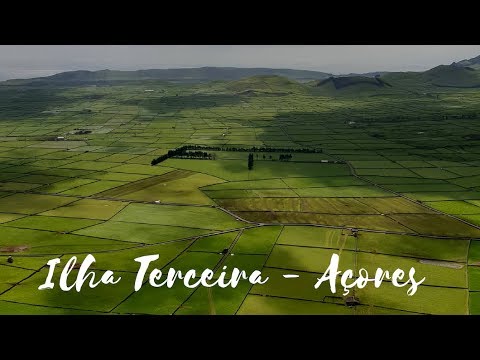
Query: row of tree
{"points": [[196, 155], [182, 152], [252, 149], [171, 153]]}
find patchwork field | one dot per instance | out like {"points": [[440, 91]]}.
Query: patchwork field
{"points": [[379, 178]]}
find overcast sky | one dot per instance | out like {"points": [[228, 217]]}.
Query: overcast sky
{"points": [[24, 61]]}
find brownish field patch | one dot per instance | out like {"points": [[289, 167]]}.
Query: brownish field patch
{"points": [[14, 249]]}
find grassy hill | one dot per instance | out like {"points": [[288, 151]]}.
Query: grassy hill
{"points": [[350, 85], [443, 76], [452, 76], [264, 84], [203, 74], [250, 81], [473, 62], [346, 81]]}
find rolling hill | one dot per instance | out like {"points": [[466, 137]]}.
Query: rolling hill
{"points": [[452, 76], [249, 81], [203, 74], [473, 62], [264, 84], [346, 81]]}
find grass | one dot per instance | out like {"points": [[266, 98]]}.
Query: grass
{"points": [[386, 172], [427, 299], [257, 241], [93, 188], [247, 185], [31, 203], [455, 207], [214, 243], [140, 169], [102, 298], [64, 185], [307, 259], [315, 237], [475, 303], [155, 301], [237, 169], [88, 209], [413, 188], [13, 186], [414, 137], [434, 173], [474, 253], [352, 191], [474, 278], [444, 195], [123, 259], [183, 191], [52, 223], [163, 300], [220, 301], [376, 222], [246, 262], [299, 288], [46, 242], [199, 217], [414, 246], [11, 276], [436, 225], [25, 261], [323, 181], [435, 275], [89, 165], [15, 308], [103, 175], [9, 217], [395, 205], [251, 193], [140, 233], [261, 305]]}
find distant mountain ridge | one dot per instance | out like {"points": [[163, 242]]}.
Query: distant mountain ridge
{"points": [[461, 74], [473, 62], [182, 74]]}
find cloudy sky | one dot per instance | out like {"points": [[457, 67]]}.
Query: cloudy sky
{"points": [[24, 61]]}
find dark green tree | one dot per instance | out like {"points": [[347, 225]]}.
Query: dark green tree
{"points": [[250, 161]]}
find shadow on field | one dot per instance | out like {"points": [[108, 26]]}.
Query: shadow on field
{"points": [[173, 103], [27, 101]]}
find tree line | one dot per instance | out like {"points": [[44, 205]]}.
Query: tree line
{"points": [[169, 154], [196, 155], [199, 154], [181, 152], [252, 149]]}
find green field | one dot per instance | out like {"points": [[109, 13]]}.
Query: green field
{"points": [[385, 176]]}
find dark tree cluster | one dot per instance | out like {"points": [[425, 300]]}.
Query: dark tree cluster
{"points": [[196, 155], [250, 161], [82, 132], [171, 153], [182, 153], [285, 157]]}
